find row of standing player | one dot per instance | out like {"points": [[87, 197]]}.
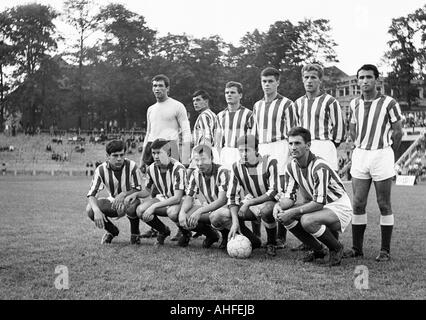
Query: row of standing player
{"points": [[316, 111]]}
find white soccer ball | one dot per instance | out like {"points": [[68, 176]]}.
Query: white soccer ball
{"points": [[239, 247]]}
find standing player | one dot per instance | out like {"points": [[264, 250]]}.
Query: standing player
{"points": [[375, 128], [330, 210], [258, 178], [321, 114], [168, 176], [211, 180], [233, 122], [121, 178], [166, 119], [273, 117]]}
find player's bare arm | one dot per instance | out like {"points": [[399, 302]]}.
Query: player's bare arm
{"points": [[235, 228], [99, 217], [220, 202], [396, 135], [352, 131], [187, 204]]}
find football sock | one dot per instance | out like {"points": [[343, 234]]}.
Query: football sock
{"points": [[325, 235], [282, 232], [110, 227], [157, 224], [335, 234], [297, 230], [358, 231], [271, 235], [224, 233], [255, 241], [386, 226], [134, 225], [255, 227]]}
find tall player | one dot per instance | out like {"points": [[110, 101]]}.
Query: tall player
{"points": [[273, 117], [168, 176], [257, 176], [376, 130], [330, 210], [211, 180], [233, 123], [121, 178], [321, 114]]}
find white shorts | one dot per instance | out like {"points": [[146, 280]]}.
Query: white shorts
{"points": [[216, 158], [277, 150], [373, 164], [228, 156], [326, 150], [343, 210]]}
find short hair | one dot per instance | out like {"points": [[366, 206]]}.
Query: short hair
{"points": [[369, 67], [238, 85], [115, 146], [160, 143], [162, 77], [299, 131], [248, 140], [203, 148], [204, 94], [270, 71], [313, 67]]}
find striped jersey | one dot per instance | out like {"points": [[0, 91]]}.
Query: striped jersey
{"points": [[174, 178], [272, 120], [322, 116], [209, 186], [205, 128], [255, 181], [233, 125], [373, 120], [317, 180], [115, 182]]}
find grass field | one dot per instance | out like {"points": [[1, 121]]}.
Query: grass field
{"points": [[43, 225]]}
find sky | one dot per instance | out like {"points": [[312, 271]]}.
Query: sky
{"points": [[358, 27]]}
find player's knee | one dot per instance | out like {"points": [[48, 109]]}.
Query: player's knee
{"points": [[384, 207], [131, 209], [307, 221], [173, 213], [218, 218], [89, 212], [140, 209]]}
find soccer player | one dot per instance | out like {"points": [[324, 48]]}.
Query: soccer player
{"points": [[258, 177], [165, 120], [211, 180], [321, 114], [168, 176], [233, 122], [329, 210], [121, 178], [273, 117], [376, 130]]}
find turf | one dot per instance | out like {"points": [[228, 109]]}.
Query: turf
{"points": [[43, 226]]}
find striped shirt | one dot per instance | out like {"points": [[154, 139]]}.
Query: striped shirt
{"points": [[373, 120], [233, 125], [272, 120], [322, 116], [174, 178], [317, 180], [209, 186], [126, 179], [205, 127], [255, 181]]}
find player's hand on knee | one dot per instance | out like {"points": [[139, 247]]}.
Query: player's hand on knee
{"points": [[99, 219], [130, 198], [193, 219], [148, 214], [182, 221]]}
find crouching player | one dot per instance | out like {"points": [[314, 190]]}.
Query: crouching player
{"points": [[168, 176], [211, 181], [120, 177], [328, 212], [258, 178]]}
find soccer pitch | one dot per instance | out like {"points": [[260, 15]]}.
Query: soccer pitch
{"points": [[44, 228]]}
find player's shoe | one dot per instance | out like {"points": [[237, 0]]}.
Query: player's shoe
{"points": [[209, 240], [311, 255], [107, 238], [162, 236], [177, 236], [383, 256], [271, 250], [352, 253], [135, 239], [183, 240], [281, 244], [151, 233], [336, 257], [300, 247]]}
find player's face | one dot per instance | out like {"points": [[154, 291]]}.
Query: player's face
{"points": [[247, 154], [160, 90], [298, 147], [160, 156], [232, 96], [269, 84], [199, 103], [203, 162], [366, 80], [311, 81], [116, 159]]}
